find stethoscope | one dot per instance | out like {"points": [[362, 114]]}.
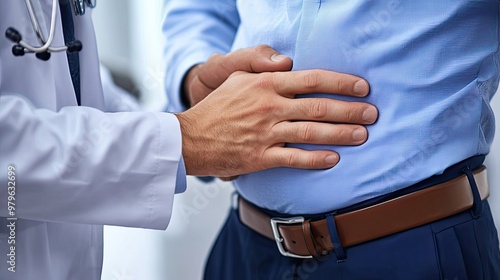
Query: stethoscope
{"points": [[43, 52]]}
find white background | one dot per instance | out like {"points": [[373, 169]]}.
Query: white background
{"points": [[130, 43]]}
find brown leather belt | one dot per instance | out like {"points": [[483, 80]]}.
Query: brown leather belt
{"points": [[301, 238]]}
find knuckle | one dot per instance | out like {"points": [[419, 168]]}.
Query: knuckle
{"points": [[310, 80], [272, 161], [341, 85], [297, 160], [307, 133], [352, 114], [343, 135], [264, 108], [264, 81], [260, 48], [236, 74], [214, 58], [318, 109], [310, 161], [338, 135], [291, 159]]}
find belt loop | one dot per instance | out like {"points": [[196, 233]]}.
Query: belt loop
{"points": [[308, 238], [477, 207], [334, 237]]}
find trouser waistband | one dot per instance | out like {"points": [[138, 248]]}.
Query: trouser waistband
{"points": [[300, 237]]}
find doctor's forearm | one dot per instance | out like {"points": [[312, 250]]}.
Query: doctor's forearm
{"points": [[81, 165]]}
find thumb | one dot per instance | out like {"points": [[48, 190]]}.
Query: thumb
{"points": [[255, 60]]}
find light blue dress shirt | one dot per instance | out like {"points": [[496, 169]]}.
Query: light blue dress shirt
{"points": [[433, 67]]}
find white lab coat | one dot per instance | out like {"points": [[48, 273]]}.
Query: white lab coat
{"points": [[77, 168]]}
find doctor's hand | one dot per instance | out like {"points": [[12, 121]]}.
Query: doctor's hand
{"points": [[204, 78], [243, 125]]}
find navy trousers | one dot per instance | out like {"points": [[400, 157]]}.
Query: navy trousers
{"points": [[463, 246]]}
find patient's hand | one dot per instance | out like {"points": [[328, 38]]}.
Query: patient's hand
{"points": [[202, 79]]}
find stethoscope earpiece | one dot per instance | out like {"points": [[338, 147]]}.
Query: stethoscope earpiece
{"points": [[12, 34], [18, 50]]}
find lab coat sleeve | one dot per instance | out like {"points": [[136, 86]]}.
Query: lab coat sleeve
{"points": [[194, 30], [80, 165]]}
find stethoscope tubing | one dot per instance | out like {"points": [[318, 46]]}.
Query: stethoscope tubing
{"points": [[36, 26]]}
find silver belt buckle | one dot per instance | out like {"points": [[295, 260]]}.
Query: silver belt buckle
{"points": [[279, 240]]}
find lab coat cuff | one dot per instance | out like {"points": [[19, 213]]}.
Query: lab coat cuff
{"points": [[168, 176]]}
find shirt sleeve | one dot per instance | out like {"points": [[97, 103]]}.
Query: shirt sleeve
{"points": [[80, 165], [194, 30]]}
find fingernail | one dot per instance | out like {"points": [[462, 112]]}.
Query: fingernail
{"points": [[332, 159], [370, 115], [278, 57], [359, 134], [361, 88]]}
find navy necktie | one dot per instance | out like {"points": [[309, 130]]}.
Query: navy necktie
{"points": [[69, 36]]}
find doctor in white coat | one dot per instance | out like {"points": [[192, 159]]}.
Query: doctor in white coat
{"points": [[66, 170]]}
